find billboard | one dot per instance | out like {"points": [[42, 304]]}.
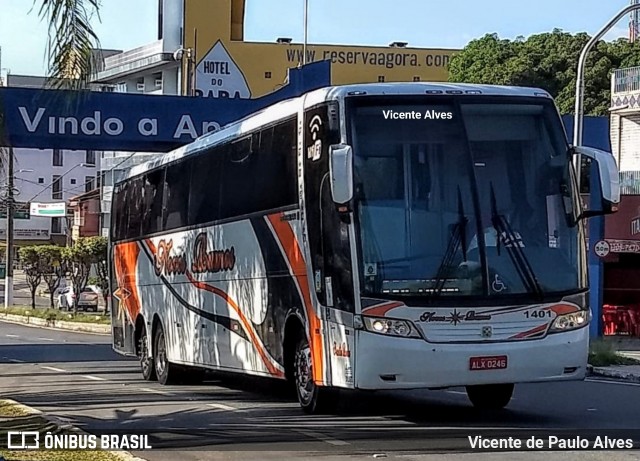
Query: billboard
{"points": [[229, 67], [48, 210], [49, 119]]}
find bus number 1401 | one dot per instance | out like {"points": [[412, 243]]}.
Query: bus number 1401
{"points": [[538, 314]]}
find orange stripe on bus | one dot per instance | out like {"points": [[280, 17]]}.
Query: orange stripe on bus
{"points": [[245, 322], [531, 332], [381, 310], [125, 257], [561, 309], [293, 253], [247, 325]]}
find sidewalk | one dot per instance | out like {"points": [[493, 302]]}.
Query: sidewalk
{"points": [[624, 372]]}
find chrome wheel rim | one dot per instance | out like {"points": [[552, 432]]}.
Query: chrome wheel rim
{"points": [[145, 360], [303, 374], [161, 360]]}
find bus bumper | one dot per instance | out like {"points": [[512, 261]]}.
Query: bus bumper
{"points": [[384, 362]]}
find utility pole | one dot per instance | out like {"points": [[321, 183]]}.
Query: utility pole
{"points": [[8, 281], [306, 30]]}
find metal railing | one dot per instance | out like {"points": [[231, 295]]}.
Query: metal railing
{"points": [[630, 183], [626, 80]]}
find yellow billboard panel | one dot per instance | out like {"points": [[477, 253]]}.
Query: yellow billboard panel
{"points": [[227, 66]]}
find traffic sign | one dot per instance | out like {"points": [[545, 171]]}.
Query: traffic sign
{"points": [[602, 248], [17, 214]]}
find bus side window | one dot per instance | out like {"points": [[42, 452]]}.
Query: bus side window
{"points": [[134, 203], [204, 196], [178, 179], [152, 205]]}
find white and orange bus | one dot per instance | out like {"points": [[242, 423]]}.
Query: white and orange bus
{"points": [[377, 236]]}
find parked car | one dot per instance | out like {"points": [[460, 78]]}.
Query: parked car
{"points": [[89, 298]]}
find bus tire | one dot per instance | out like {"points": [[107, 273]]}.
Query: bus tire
{"points": [[490, 396], [147, 365], [166, 372], [312, 398]]}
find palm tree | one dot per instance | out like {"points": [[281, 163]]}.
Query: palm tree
{"points": [[71, 41]]}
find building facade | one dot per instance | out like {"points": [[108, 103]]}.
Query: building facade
{"points": [[622, 229]]}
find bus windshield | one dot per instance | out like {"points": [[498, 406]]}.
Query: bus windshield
{"points": [[472, 197]]}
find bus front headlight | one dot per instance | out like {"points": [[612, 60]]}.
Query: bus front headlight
{"points": [[390, 327], [571, 321]]}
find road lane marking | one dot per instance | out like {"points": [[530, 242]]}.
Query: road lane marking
{"points": [[221, 406], [16, 361], [58, 370], [321, 437], [95, 378], [456, 392], [12, 336], [604, 381], [154, 391], [46, 339]]}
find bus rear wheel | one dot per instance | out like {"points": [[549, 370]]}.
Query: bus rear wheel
{"points": [[490, 396], [165, 370], [147, 365], [312, 398]]}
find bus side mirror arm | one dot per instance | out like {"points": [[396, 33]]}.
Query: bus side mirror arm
{"points": [[341, 176]]}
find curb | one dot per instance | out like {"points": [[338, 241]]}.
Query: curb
{"points": [[606, 372], [57, 324], [122, 455]]}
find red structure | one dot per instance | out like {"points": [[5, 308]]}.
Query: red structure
{"points": [[621, 312], [86, 215]]}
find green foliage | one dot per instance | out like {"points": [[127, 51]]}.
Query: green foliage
{"points": [[34, 266], [548, 61], [79, 258], [71, 41], [604, 354]]}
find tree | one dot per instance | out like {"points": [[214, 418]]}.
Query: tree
{"points": [[32, 269], [53, 268], [78, 259], [71, 41], [100, 247], [548, 61]]}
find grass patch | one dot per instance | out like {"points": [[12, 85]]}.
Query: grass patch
{"points": [[9, 410], [604, 354], [54, 314], [58, 455], [15, 417]]}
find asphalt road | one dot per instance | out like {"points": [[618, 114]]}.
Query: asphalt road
{"points": [[78, 379]]}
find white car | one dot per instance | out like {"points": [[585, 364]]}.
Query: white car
{"points": [[89, 298]]}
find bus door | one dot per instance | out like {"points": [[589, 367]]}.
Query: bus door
{"points": [[329, 236]]}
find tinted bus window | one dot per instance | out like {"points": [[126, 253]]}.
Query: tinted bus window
{"points": [[204, 196], [176, 195]]}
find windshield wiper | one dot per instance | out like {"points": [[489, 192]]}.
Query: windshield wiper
{"points": [[458, 239], [514, 246]]}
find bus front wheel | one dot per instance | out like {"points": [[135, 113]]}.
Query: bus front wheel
{"points": [[490, 396], [312, 398], [165, 370]]}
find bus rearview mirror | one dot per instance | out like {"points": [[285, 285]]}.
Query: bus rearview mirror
{"points": [[607, 177], [341, 173]]}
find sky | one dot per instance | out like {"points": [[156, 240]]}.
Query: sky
{"points": [[126, 24]]}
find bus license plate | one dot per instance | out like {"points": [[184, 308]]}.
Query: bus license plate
{"points": [[497, 362]]}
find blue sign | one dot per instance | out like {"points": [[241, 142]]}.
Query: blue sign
{"points": [[49, 119]]}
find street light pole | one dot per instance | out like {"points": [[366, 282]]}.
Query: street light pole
{"points": [[306, 30], [8, 281], [579, 110], [596, 224]]}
